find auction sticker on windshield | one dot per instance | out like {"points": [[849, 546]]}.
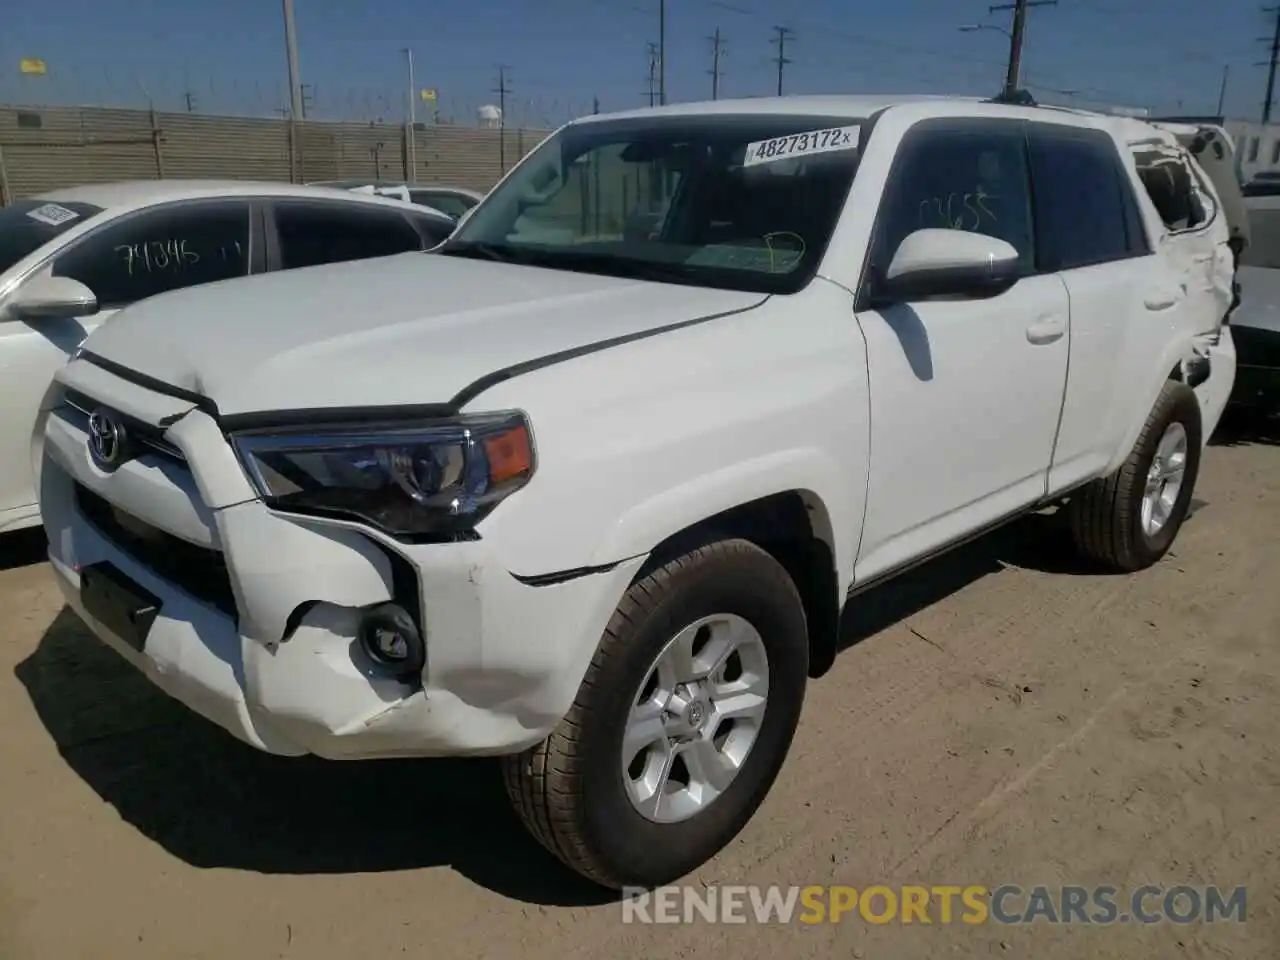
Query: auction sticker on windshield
{"points": [[52, 214], [801, 145]]}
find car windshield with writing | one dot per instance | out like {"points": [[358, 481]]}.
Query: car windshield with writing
{"points": [[28, 225], [741, 202]]}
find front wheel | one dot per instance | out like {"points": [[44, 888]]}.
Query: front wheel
{"points": [[1128, 521], [681, 724]]}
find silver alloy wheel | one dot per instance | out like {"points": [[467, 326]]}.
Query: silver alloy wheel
{"points": [[695, 717], [1164, 479]]}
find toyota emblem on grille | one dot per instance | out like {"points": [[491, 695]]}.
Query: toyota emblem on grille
{"points": [[106, 439]]}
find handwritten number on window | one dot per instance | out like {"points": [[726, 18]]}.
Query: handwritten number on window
{"points": [[958, 211], [158, 256]]}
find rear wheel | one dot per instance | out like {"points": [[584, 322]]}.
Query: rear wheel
{"points": [[1128, 521], [681, 724]]}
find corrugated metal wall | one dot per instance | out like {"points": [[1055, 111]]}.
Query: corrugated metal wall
{"points": [[44, 148]]}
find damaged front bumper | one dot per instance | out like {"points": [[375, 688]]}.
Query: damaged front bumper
{"points": [[256, 614]]}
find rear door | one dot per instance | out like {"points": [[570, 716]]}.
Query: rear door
{"points": [[1090, 232]]}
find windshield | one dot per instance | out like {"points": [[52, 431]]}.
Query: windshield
{"points": [[28, 225], [736, 201]]}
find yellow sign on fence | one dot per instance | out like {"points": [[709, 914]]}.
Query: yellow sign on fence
{"points": [[32, 65]]}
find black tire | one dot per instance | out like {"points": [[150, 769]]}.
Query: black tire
{"points": [[569, 790], [1106, 516]]}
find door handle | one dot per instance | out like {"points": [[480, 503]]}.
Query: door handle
{"points": [[1163, 301], [1166, 299], [1046, 330]]}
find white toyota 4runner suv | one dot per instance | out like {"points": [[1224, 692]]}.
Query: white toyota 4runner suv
{"points": [[590, 496]]}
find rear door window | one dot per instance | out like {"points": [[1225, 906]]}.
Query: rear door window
{"points": [[311, 234], [1086, 212]]}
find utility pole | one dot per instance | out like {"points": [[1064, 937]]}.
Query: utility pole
{"points": [[1271, 65], [307, 97], [411, 135], [502, 90], [716, 46], [1222, 90], [291, 48], [1019, 7], [190, 98], [653, 73], [783, 34], [662, 52]]}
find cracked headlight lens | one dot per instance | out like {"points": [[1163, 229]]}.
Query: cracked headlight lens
{"points": [[418, 482]]}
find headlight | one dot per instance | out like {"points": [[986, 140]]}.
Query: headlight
{"points": [[429, 481]]}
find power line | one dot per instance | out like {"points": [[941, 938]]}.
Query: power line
{"points": [[291, 51], [502, 90], [1019, 7], [716, 46], [783, 33], [662, 52], [1271, 64]]}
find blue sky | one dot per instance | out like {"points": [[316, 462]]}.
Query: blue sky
{"points": [[229, 54]]}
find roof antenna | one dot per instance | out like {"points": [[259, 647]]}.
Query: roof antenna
{"points": [[1016, 98]]}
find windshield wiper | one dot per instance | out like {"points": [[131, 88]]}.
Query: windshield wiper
{"points": [[561, 259]]}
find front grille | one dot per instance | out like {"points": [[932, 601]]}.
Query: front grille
{"points": [[195, 570], [146, 435]]}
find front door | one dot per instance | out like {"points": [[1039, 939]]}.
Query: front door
{"points": [[965, 393]]}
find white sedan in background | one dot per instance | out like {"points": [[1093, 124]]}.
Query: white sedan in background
{"points": [[71, 258]]}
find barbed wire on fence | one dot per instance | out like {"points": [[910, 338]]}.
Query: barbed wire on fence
{"points": [[51, 147]]}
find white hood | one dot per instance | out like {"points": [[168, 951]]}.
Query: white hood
{"points": [[410, 329]]}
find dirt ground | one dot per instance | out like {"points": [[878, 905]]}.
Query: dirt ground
{"points": [[998, 717]]}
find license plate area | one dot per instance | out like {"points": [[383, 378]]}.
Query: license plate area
{"points": [[124, 607]]}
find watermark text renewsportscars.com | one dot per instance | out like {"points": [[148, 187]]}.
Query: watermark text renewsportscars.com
{"points": [[941, 904]]}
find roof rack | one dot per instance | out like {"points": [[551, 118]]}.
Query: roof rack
{"points": [[1017, 98]]}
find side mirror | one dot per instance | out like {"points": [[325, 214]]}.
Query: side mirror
{"points": [[949, 263], [53, 298]]}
